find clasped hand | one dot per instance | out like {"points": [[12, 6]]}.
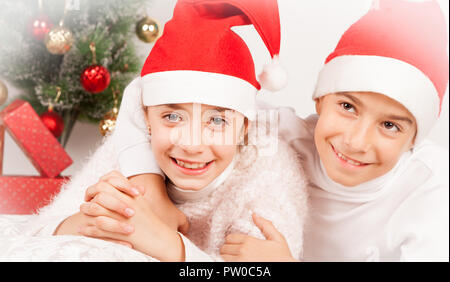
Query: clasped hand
{"points": [[118, 211]]}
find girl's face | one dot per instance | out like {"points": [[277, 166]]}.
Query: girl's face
{"points": [[194, 143], [360, 136]]}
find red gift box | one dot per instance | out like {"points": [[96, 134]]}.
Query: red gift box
{"points": [[37, 142], [2, 141], [26, 194]]}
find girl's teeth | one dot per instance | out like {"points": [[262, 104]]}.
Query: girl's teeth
{"points": [[191, 166]]}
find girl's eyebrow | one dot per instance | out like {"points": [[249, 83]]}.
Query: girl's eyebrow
{"points": [[172, 106], [179, 107], [221, 109]]}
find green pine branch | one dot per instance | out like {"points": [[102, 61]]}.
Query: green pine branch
{"points": [[27, 64]]}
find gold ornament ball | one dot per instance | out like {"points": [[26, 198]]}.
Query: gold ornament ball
{"points": [[147, 30], [59, 40], [3, 93], [108, 123]]}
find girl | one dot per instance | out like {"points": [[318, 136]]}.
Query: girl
{"points": [[199, 108]]}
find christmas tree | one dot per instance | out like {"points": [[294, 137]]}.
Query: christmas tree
{"points": [[47, 68]]}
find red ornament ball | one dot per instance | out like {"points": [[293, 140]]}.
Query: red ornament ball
{"points": [[53, 122], [95, 78], [40, 25]]}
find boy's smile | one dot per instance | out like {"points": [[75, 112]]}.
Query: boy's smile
{"points": [[347, 161], [360, 136]]}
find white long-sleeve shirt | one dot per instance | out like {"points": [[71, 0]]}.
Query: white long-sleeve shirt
{"points": [[401, 216]]}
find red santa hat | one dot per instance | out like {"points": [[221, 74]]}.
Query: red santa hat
{"points": [[399, 49], [199, 59]]}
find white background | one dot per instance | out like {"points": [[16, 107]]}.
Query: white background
{"points": [[310, 31]]}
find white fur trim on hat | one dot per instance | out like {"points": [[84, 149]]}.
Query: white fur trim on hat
{"points": [[273, 77], [394, 78], [175, 87]]}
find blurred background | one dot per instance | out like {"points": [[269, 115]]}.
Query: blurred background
{"points": [[310, 31]]}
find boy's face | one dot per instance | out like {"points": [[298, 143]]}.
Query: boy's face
{"points": [[361, 135], [194, 143]]}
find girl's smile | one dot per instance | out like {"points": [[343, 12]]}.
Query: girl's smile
{"points": [[192, 168], [194, 143]]}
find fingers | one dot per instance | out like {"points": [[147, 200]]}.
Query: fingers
{"points": [[93, 209], [105, 227], [114, 180], [236, 238], [111, 203], [111, 225], [230, 249], [267, 228], [110, 174]]}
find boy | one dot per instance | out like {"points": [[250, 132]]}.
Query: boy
{"points": [[379, 192]]}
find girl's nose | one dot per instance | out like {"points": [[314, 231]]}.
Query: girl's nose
{"points": [[192, 149]]}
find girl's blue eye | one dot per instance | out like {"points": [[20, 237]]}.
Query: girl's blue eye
{"points": [[218, 121], [172, 117]]}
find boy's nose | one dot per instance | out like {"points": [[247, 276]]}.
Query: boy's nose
{"points": [[358, 138]]}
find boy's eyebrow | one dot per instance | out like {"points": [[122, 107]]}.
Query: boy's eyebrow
{"points": [[394, 117], [354, 99]]}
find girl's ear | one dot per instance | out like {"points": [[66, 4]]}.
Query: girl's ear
{"points": [[147, 123], [244, 131], [246, 126]]}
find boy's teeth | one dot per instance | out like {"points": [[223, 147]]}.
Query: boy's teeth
{"points": [[191, 166], [347, 160]]}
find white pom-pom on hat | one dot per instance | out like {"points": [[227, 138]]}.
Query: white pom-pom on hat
{"points": [[273, 77]]}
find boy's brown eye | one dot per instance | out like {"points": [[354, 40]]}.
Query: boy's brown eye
{"points": [[391, 126], [388, 124], [347, 106]]}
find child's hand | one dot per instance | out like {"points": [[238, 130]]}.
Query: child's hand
{"points": [[108, 207], [240, 247], [71, 224], [119, 213], [144, 230], [162, 206], [104, 197]]}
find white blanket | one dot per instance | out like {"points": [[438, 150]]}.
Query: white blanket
{"points": [[16, 245], [29, 237]]}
